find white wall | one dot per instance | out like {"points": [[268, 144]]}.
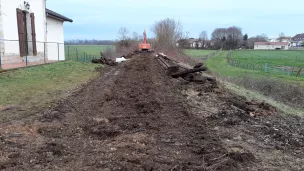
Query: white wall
{"points": [[269, 47], [10, 28], [55, 34]]}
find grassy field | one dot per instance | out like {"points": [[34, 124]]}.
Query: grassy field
{"points": [[261, 89], [85, 52], [219, 65], [198, 53], [42, 84], [280, 58]]}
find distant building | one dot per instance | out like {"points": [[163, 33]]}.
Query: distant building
{"points": [[271, 45], [297, 40], [280, 39], [189, 43], [284, 39], [272, 40]]}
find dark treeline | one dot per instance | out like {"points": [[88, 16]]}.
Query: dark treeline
{"points": [[89, 42]]}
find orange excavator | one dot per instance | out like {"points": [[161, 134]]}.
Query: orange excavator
{"points": [[145, 46]]}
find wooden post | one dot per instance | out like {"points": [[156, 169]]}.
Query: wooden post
{"points": [[68, 52], [77, 54], [266, 67], [299, 72]]}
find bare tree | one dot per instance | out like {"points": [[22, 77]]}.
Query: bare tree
{"points": [[227, 38], [135, 36], [259, 38], [203, 38], [218, 37], [125, 42], [123, 33], [234, 37], [168, 32]]}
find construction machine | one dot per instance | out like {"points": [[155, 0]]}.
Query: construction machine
{"points": [[145, 46]]}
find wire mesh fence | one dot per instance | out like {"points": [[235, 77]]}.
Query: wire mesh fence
{"points": [[208, 54], [16, 54], [85, 53], [82, 53], [267, 67]]}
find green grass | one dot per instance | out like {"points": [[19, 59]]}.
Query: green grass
{"points": [[85, 52], [255, 95], [219, 65], [42, 84], [281, 58], [198, 53]]}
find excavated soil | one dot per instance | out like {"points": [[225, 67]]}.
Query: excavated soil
{"points": [[134, 117]]}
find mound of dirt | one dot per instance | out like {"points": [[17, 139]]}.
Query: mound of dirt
{"points": [[136, 117]]}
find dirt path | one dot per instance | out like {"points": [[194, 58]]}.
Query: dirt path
{"points": [[134, 117]]}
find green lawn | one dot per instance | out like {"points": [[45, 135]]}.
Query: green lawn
{"points": [[198, 53], [280, 58], [85, 52], [42, 84], [219, 65]]}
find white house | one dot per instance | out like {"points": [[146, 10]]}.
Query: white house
{"points": [[271, 45], [190, 43], [28, 29], [297, 40]]}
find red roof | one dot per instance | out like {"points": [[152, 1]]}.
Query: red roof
{"points": [[272, 43]]}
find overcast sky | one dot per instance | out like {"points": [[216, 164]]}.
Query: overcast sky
{"points": [[101, 19]]}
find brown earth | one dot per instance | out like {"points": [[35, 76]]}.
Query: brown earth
{"points": [[134, 117]]}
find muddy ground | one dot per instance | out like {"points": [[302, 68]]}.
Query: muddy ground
{"points": [[135, 117]]}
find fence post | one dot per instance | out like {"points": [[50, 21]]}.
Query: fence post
{"points": [[266, 67], [84, 57], [299, 72], [292, 71], [58, 51], [68, 52], [44, 51], [26, 59], [77, 54], [288, 70], [26, 51], [0, 61]]}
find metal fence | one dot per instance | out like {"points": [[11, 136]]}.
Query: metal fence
{"points": [[266, 67], [206, 57], [79, 54], [46, 52]]}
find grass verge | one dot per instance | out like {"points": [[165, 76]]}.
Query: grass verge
{"points": [[40, 85], [283, 92], [197, 52], [255, 95]]}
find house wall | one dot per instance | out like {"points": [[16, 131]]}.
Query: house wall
{"points": [[55, 34], [296, 43], [269, 47], [10, 27]]}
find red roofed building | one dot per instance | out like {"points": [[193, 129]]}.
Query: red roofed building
{"points": [[271, 45]]}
